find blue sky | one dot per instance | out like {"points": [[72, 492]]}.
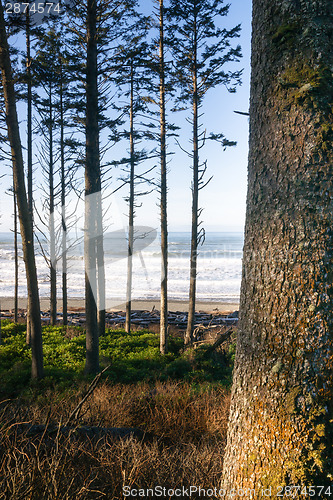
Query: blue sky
{"points": [[224, 198]]}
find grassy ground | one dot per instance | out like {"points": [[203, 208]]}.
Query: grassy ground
{"points": [[179, 401]]}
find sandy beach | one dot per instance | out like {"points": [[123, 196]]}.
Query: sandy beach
{"points": [[75, 304]]}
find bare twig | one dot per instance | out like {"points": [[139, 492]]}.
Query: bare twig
{"points": [[92, 387]]}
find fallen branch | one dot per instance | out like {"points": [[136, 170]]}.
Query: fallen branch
{"points": [[75, 413]]}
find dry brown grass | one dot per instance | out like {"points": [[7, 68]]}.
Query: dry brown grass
{"points": [[187, 432]]}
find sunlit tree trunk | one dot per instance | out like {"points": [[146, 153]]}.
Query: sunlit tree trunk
{"points": [[280, 428], [22, 203]]}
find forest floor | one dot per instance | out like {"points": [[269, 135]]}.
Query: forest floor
{"points": [[173, 408]]}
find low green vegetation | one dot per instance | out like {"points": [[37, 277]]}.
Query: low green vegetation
{"points": [[131, 358], [179, 402]]}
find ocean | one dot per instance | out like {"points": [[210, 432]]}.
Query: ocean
{"points": [[219, 266]]}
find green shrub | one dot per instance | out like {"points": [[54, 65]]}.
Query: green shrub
{"points": [[178, 368], [13, 350], [9, 329], [132, 357]]}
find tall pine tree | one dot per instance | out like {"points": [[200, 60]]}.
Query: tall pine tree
{"points": [[37, 370], [201, 50], [47, 75], [133, 79]]}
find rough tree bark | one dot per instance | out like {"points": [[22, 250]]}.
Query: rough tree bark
{"points": [[280, 428], [22, 203]]}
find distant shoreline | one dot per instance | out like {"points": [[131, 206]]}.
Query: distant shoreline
{"points": [[77, 304]]}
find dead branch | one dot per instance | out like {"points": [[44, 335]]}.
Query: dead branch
{"points": [[91, 388], [222, 338]]}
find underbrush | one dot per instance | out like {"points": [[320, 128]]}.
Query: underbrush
{"points": [[178, 402], [131, 358], [184, 426]]}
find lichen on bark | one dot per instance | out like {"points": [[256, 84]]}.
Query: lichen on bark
{"points": [[280, 429]]}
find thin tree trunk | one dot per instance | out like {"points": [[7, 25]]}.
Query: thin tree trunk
{"points": [[164, 222], [281, 418], [100, 267], [29, 116], [131, 213], [22, 203], [64, 267], [63, 206], [16, 261], [29, 145], [92, 187], [53, 258], [195, 196]]}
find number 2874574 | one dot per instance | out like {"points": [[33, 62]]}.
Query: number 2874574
{"points": [[32, 8]]}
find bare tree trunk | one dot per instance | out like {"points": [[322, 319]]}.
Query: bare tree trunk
{"points": [[64, 267], [92, 342], [195, 196], [63, 207], [53, 258], [281, 419], [131, 213], [92, 187], [163, 202], [29, 146], [100, 267], [16, 261], [22, 203]]}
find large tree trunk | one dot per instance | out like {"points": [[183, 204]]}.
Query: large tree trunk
{"points": [[22, 203], [163, 203], [280, 429], [92, 188]]}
